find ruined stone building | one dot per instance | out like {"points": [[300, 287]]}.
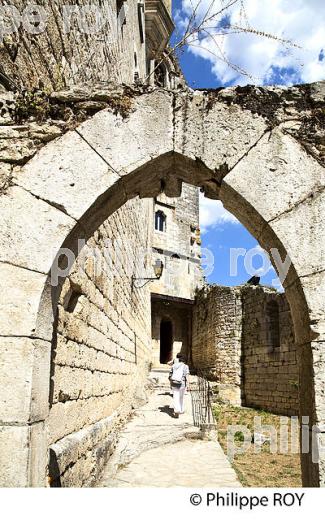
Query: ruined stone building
{"points": [[243, 340], [103, 152], [176, 242]]}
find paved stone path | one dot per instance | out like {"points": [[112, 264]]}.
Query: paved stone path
{"points": [[156, 450]]}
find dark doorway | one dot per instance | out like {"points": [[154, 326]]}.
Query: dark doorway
{"points": [[166, 341]]}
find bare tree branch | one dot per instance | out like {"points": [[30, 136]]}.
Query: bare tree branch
{"points": [[216, 26]]}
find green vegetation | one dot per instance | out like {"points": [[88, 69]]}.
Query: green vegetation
{"points": [[263, 469], [34, 103]]}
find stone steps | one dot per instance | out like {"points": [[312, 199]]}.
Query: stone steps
{"points": [[153, 446], [159, 377]]}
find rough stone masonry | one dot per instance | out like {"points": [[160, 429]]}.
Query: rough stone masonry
{"points": [[79, 160], [250, 357], [271, 211]]}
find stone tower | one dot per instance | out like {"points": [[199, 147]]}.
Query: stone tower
{"points": [[176, 243]]}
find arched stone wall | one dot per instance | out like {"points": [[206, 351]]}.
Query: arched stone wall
{"points": [[263, 176]]}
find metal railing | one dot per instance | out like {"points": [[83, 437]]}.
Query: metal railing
{"points": [[201, 394]]}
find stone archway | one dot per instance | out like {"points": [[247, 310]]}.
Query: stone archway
{"points": [[261, 173]]}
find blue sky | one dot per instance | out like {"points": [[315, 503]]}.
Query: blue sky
{"points": [[226, 237], [223, 235], [266, 62]]}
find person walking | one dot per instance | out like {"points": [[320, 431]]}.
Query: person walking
{"points": [[178, 378]]}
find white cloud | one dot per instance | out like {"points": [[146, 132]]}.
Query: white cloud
{"points": [[302, 21], [212, 214]]}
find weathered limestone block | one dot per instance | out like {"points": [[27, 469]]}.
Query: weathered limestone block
{"points": [[318, 92], [229, 394], [276, 169], [313, 287], [7, 108], [241, 209], [19, 303], [318, 359], [86, 470], [5, 176], [232, 132], [12, 437], [25, 219], [214, 132], [308, 317], [302, 232], [45, 132], [23, 455], [116, 140], [75, 329], [75, 94], [63, 168], [17, 358], [19, 143], [16, 151], [74, 415], [73, 383], [70, 449], [38, 455], [23, 366], [189, 124], [70, 353]]}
